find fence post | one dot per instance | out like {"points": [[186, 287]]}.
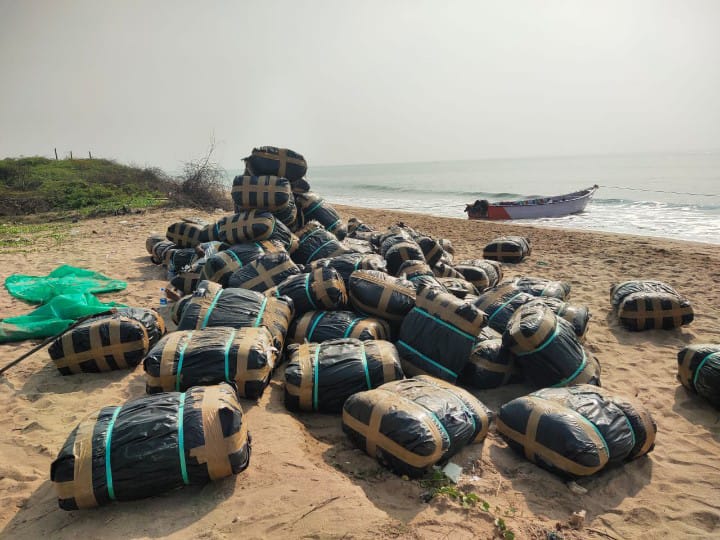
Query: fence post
{"points": [[56, 154]]}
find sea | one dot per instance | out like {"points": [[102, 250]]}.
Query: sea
{"points": [[661, 195]]}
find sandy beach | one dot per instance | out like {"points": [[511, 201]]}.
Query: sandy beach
{"points": [[305, 480]]}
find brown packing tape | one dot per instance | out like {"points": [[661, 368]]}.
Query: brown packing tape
{"points": [[645, 419], [288, 159], [684, 373], [387, 354], [267, 191], [265, 275], [282, 162], [98, 352], [205, 301], [447, 314], [487, 365], [82, 474], [541, 334], [229, 266], [168, 361], [217, 449], [246, 341], [539, 407], [377, 328], [374, 439], [495, 298]]}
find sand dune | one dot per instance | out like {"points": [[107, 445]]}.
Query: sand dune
{"points": [[306, 480]]}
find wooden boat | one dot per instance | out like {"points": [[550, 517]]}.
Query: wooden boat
{"points": [[541, 207]]}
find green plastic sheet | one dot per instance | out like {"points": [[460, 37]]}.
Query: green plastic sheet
{"points": [[65, 295], [63, 280]]}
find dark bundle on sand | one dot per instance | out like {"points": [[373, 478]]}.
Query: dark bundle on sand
{"points": [[510, 249], [379, 294], [319, 326], [264, 273], [151, 445], [320, 289], [699, 370], [647, 305], [321, 376]]}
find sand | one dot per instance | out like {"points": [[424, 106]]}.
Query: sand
{"points": [[306, 481]]}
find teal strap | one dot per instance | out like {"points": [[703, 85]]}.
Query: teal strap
{"points": [[228, 346], [333, 225], [357, 264], [262, 250], [307, 291], [108, 443], [181, 440], [426, 358], [577, 372], [348, 331], [431, 414], [316, 375], [443, 323], [181, 358], [542, 293], [308, 236], [491, 317], [234, 256], [547, 342], [314, 324], [312, 255], [212, 306], [700, 365], [217, 231], [261, 312], [363, 359], [313, 208]]}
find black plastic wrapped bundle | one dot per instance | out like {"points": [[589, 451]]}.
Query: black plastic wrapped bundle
{"points": [[432, 250], [413, 424], [313, 207], [282, 236], [243, 227], [321, 289], [546, 349], [288, 215], [510, 249], [180, 258], [438, 334], [159, 251], [186, 281], [444, 270], [265, 192], [399, 252], [458, 287], [541, 287], [300, 186], [277, 162], [576, 431], [648, 305], [419, 274], [699, 371], [447, 246], [315, 243], [264, 273], [482, 273], [188, 234], [221, 266], [151, 241], [356, 226], [355, 245], [376, 293], [321, 376], [211, 305], [347, 263], [243, 357], [500, 303], [392, 236], [490, 366], [319, 326], [578, 316], [151, 445], [117, 340]]}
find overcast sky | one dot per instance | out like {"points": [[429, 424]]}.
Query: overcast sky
{"points": [[343, 82]]}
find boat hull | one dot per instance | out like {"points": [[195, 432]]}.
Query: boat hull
{"points": [[546, 207]]}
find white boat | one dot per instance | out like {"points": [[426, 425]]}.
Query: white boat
{"points": [[540, 207]]}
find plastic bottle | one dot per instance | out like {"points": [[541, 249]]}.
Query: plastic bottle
{"points": [[163, 298]]}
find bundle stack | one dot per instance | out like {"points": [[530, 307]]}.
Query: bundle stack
{"points": [[399, 252], [438, 334], [105, 343], [265, 193], [242, 357], [412, 424], [320, 289], [379, 294], [510, 249], [432, 251], [321, 376], [347, 263], [576, 431], [648, 305], [319, 326], [699, 371], [274, 161], [264, 273], [211, 305], [484, 274], [315, 243], [313, 207], [151, 445], [546, 349], [243, 227]]}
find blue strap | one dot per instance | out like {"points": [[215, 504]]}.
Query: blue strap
{"points": [[228, 345], [310, 258], [348, 331], [316, 376], [217, 231], [547, 342], [108, 443], [315, 323], [313, 208], [363, 359], [181, 357], [307, 291], [577, 372], [308, 236], [262, 250], [261, 312], [443, 323], [491, 317], [234, 256], [426, 358], [700, 365], [333, 225], [181, 440], [212, 306]]}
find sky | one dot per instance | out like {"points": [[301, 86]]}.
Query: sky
{"points": [[155, 83]]}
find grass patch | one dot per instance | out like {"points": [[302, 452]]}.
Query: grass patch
{"points": [[16, 237]]}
